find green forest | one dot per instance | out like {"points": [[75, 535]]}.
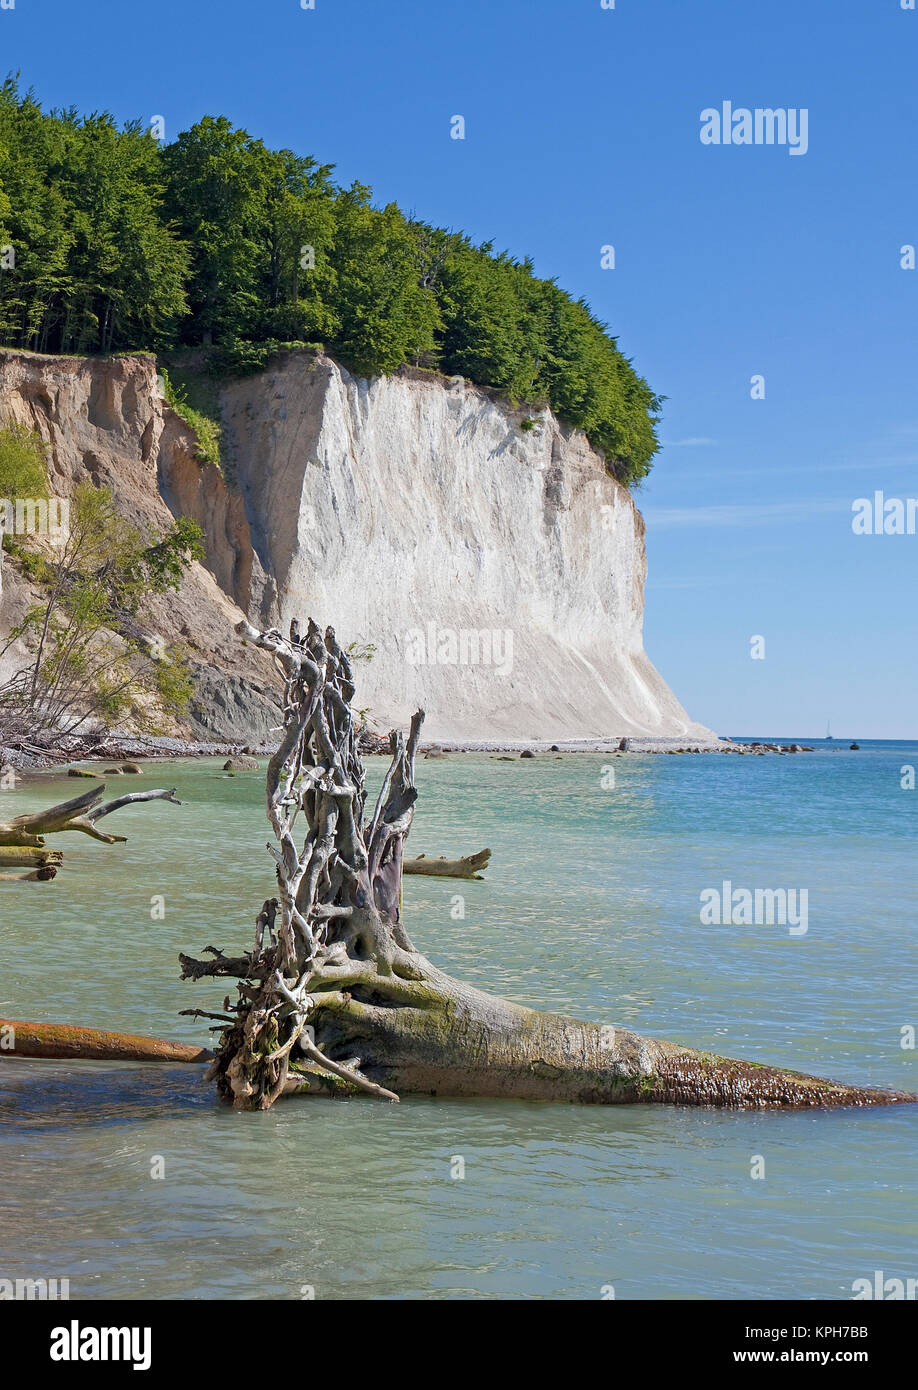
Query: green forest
{"points": [[111, 241]]}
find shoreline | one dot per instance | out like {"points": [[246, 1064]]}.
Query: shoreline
{"points": [[161, 748]]}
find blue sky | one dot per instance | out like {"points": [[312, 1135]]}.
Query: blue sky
{"points": [[582, 129]]}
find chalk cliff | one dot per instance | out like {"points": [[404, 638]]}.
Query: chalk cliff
{"points": [[487, 555]]}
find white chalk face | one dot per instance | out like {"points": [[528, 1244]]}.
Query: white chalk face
{"points": [[509, 564]]}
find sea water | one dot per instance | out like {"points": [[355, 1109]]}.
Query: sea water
{"points": [[132, 1181]]}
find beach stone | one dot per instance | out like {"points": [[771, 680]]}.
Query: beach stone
{"points": [[131, 767], [527, 753], [242, 762], [80, 772]]}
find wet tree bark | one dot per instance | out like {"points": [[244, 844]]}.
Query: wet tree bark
{"points": [[335, 999], [66, 1041]]}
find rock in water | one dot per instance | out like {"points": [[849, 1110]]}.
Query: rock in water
{"points": [[241, 762]]}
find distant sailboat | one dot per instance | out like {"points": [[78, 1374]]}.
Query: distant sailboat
{"points": [[828, 732]]}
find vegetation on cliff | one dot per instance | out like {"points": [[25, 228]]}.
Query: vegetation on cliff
{"points": [[88, 658], [111, 241]]}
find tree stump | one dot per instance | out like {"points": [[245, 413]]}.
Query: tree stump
{"points": [[335, 999]]}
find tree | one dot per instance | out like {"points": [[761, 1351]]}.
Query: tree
{"points": [[482, 336], [298, 283], [334, 998], [96, 266], [22, 463], [121, 243], [215, 197], [22, 839], [386, 316], [90, 659], [23, 475]]}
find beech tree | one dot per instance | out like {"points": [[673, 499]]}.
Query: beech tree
{"points": [[116, 242]]}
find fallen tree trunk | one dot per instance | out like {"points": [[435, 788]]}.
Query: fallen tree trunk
{"points": [[28, 857], [22, 839], [334, 998], [66, 1041], [448, 868], [80, 813]]}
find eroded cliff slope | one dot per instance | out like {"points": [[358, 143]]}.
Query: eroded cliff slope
{"points": [[490, 559], [105, 420]]}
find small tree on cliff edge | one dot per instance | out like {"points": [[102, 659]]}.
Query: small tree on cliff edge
{"points": [[90, 663]]}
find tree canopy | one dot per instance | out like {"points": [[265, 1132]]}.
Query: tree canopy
{"points": [[111, 242]]}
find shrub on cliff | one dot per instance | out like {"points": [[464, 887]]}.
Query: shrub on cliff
{"points": [[89, 660], [22, 464]]}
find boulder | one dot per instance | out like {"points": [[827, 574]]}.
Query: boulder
{"points": [[241, 762]]}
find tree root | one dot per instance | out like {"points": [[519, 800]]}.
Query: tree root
{"points": [[334, 999]]}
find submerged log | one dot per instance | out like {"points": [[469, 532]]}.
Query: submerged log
{"points": [[334, 998], [448, 868], [69, 1041], [28, 857]]}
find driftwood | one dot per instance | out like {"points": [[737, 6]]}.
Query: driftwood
{"points": [[448, 868], [66, 1041], [23, 856], [334, 998], [22, 839]]}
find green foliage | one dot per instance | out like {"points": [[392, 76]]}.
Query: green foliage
{"points": [[32, 564], [165, 561], [173, 681], [215, 241], [22, 463], [89, 659], [385, 316], [194, 396], [97, 264], [240, 358]]}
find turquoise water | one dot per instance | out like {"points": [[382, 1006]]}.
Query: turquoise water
{"points": [[591, 906]]}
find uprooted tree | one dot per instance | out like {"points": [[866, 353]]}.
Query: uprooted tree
{"points": [[333, 996]]}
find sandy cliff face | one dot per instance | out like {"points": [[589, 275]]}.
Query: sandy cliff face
{"points": [[106, 421], [498, 570]]}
